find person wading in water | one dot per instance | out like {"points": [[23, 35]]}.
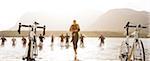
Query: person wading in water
{"points": [[24, 41], [3, 40], [75, 36], [67, 40], [102, 38], [13, 42]]}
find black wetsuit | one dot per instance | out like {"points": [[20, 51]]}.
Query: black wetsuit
{"points": [[67, 39], [24, 41], [82, 38], [52, 39], [102, 39], [41, 38], [62, 38], [3, 40], [13, 40]]}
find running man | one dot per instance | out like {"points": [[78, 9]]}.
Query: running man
{"points": [[62, 40], [41, 42], [24, 41], [13, 42], [82, 40], [102, 39], [3, 40], [67, 40], [75, 36]]}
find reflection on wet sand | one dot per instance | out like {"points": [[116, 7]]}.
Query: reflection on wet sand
{"points": [[75, 58], [52, 47]]}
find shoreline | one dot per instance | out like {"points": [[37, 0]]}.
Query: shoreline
{"points": [[57, 33]]}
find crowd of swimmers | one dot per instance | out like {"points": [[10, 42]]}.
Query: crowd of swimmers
{"points": [[64, 41], [63, 38]]}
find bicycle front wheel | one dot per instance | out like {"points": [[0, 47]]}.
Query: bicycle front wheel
{"points": [[138, 52]]}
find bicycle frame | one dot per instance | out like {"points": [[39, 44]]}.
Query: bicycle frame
{"points": [[32, 46]]}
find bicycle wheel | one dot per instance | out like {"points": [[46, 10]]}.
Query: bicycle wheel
{"points": [[138, 52], [143, 50], [124, 50]]}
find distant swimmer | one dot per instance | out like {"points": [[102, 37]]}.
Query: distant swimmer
{"points": [[75, 36], [82, 40], [52, 40], [67, 40], [102, 38], [62, 40], [24, 41], [13, 41], [3, 40], [41, 42]]}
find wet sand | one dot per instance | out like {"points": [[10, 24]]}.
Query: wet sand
{"points": [[91, 52]]}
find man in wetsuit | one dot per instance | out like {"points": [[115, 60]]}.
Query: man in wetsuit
{"points": [[52, 40], [41, 42], [41, 38], [24, 41], [75, 36], [67, 40], [81, 40], [102, 39], [3, 40], [62, 40], [13, 41]]}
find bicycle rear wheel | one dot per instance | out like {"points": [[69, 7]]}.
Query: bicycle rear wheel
{"points": [[124, 50]]}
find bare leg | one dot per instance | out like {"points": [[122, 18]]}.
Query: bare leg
{"points": [[75, 50]]}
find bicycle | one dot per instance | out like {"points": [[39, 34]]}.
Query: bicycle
{"points": [[136, 51], [32, 45]]}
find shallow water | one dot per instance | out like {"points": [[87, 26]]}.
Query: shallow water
{"points": [[91, 52]]}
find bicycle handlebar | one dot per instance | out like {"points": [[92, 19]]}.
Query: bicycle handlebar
{"points": [[132, 26], [140, 26], [40, 27]]}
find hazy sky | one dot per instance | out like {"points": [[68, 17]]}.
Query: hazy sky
{"points": [[12, 10]]}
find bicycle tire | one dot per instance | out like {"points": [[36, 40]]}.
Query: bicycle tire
{"points": [[124, 46], [142, 45]]}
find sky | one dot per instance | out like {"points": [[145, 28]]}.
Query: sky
{"points": [[11, 11]]}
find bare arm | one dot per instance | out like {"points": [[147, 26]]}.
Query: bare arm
{"points": [[78, 28], [70, 28]]}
